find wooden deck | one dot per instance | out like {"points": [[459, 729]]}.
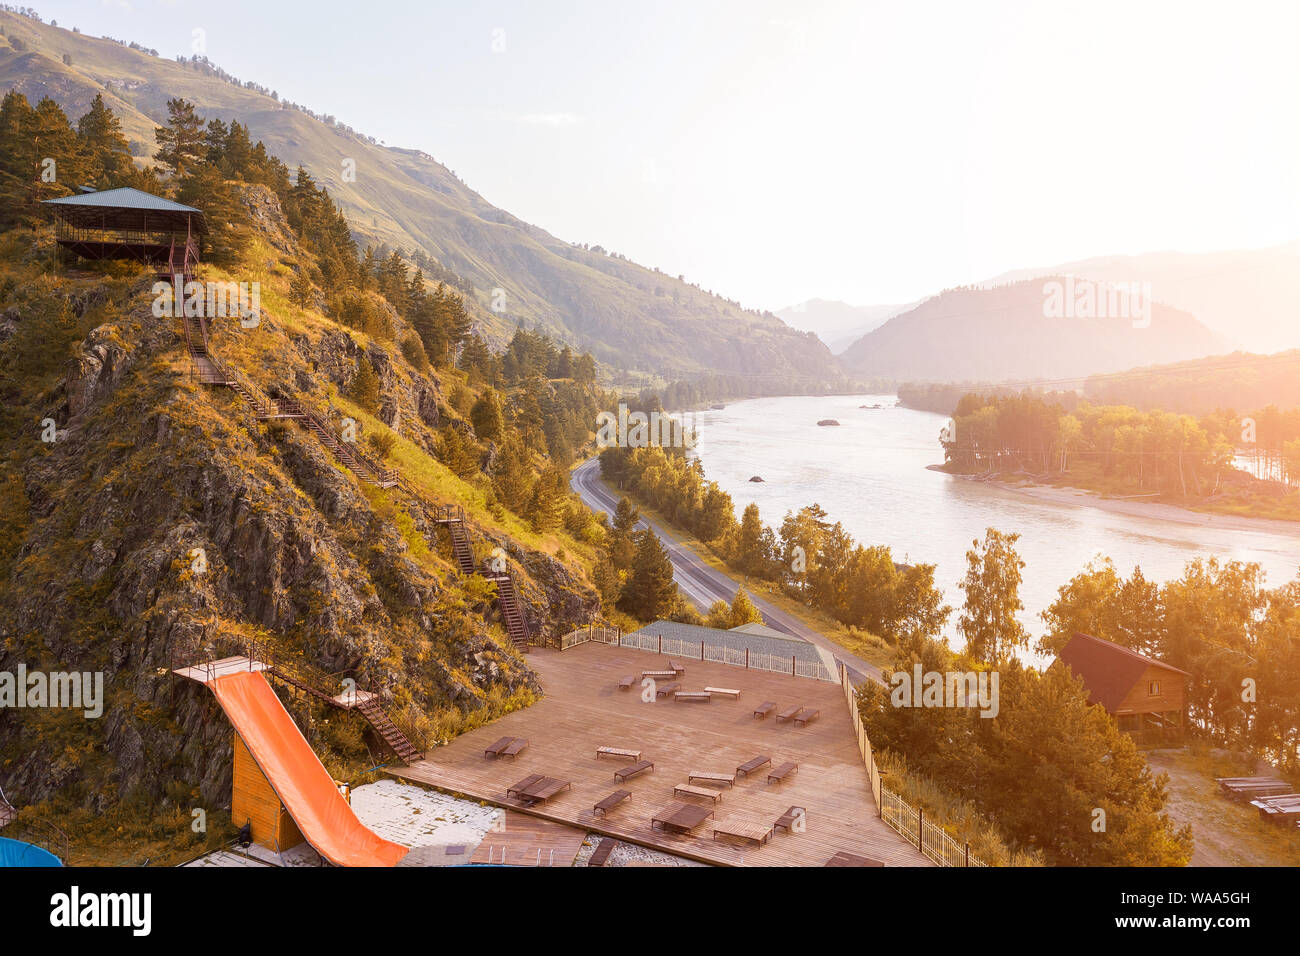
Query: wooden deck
{"points": [[527, 840], [583, 710]]}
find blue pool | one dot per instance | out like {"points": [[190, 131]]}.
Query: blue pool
{"points": [[14, 853]]}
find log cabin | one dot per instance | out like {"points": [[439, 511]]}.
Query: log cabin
{"points": [[1147, 697]]}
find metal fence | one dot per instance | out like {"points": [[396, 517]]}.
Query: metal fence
{"points": [[928, 837], [699, 651]]}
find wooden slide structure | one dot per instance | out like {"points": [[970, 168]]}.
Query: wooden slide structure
{"points": [[299, 780]]}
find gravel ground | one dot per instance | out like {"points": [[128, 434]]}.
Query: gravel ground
{"points": [[629, 854]]}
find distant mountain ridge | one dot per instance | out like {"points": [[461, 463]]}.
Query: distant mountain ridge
{"points": [[1005, 334], [836, 323], [633, 319], [1251, 296]]}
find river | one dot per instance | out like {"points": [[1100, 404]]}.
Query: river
{"points": [[870, 473]]}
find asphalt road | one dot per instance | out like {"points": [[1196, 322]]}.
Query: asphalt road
{"points": [[703, 584]]}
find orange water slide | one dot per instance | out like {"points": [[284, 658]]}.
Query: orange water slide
{"points": [[300, 780]]}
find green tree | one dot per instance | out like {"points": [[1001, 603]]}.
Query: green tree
{"points": [[182, 143], [489, 423], [364, 387], [743, 611], [649, 592], [992, 584], [301, 292]]}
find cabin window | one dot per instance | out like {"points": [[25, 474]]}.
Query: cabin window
{"points": [[1153, 688]]}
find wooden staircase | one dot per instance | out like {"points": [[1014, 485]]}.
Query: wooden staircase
{"points": [[365, 703], [212, 371], [511, 613], [388, 731]]}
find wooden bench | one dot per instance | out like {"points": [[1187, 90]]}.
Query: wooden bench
{"points": [[844, 858], [543, 790], [786, 821], [602, 852], [528, 781], [680, 817], [806, 715], [627, 682], [658, 674], [494, 749], [696, 696], [686, 789], [749, 766], [671, 688], [724, 692], [616, 752], [632, 769], [765, 708], [755, 833], [677, 669], [728, 778], [515, 748], [783, 771], [788, 712], [610, 802]]}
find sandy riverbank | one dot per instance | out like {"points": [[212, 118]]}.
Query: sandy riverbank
{"points": [[1140, 508]]}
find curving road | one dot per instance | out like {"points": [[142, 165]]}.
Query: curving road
{"points": [[703, 584]]}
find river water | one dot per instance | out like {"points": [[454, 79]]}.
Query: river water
{"points": [[870, 473]]}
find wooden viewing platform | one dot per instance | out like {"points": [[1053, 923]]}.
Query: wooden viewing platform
{"points": [[583, 711]]}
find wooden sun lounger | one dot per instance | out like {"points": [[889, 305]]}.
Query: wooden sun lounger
{"points": [[531, 780], [756, 833], [728, 778], [658, 674], [680, 817], [677, 669], [632, 769], [543, 790], [516, 747], [610, 802], [786, 820], [495, 749], [602, 852], [627, 682], [807, 714], [788, 712], [765, 708], [749, 766], [724, 692], [696, 696], [667, 689], [780, 773], [851, 859], [686, 789], [617, 752]]}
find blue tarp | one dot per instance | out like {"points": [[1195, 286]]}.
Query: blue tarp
{"points": [[14, 853]]}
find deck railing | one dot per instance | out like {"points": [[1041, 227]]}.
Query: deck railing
{"points": [[928, 837], [699, 651]]}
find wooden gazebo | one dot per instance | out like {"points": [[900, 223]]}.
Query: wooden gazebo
{"points": [[129, 224]]}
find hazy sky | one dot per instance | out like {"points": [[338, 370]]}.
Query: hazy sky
{"points": [[777, 151]]}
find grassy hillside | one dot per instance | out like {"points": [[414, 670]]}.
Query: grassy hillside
{"points": [[633, 320]]}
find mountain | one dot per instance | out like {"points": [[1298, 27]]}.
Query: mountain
{"points": [[1005, 333], [1238, 381], [836, 323], [1252, 296], [633, 319]]}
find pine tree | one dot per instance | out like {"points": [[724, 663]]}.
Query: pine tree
{"points": [[364, 388], [546, 504], [181, 143], [649, 592], [106, 151], [489, 424], [301, 292]]}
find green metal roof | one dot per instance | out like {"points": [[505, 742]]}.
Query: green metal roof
{"points": [[123, 197]]}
